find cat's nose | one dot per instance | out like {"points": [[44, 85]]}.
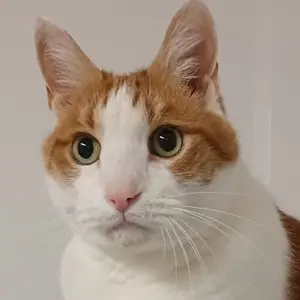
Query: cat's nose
{"points": [[123, 201]]}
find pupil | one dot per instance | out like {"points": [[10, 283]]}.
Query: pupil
{"points": [[167, 140], [86, 148]]}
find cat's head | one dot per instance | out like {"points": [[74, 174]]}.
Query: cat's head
{"points": [[126, 148]]}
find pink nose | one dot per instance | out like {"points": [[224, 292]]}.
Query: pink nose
{"points": [[123, 201]]}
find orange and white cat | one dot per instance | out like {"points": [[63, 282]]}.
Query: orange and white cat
{"points": [[146, 168]]}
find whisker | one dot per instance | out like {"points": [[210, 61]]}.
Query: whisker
{"points": [[199, 236], [174, 253], [190, 240], [224, 213], [182, 247], [200, 219], [194, 216], [163, 241], [237, 233], [194, 247], [207, 193]]}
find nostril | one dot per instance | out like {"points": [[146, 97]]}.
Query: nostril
{"points": [[133, 199], [122, 203], [113, 201]]}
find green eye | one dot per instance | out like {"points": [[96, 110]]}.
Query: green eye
{"points": [[86, 149], [165, 141]]}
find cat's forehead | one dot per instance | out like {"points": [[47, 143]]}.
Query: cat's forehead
{"points": [[133, 99], [121, 116]]}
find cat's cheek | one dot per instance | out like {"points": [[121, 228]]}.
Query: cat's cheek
{"points": [[61, 195], [89, 186], [161, 180]]}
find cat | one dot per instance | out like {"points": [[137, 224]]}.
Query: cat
{"points": [[146, 169]]}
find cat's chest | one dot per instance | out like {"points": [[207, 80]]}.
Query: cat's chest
{"points": [[86, 279], [115, 286], [82, 280]]}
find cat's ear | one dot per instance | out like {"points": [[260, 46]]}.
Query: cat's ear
{"points": [[62, 62], [189, 50]]}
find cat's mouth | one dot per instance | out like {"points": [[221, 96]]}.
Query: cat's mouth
{"points": [[127, 234], [126, 225]]}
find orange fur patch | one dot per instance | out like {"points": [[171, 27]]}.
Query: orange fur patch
{"points": [[209, 141], [292, 227]]}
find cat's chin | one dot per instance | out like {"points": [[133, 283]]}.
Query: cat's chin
{"points": [[128, 235], [122, 236]]}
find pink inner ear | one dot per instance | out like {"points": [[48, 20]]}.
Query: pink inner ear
{"points": [[62, 62], [189, 48], [64, 34]]}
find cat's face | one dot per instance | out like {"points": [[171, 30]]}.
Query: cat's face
{"points": [[126, 148]]}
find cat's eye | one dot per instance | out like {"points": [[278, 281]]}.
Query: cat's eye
{"points": [[166, 141], [85, 149]]}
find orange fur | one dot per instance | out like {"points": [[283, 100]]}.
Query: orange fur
{"points": [[210, 142], [292, 227]]}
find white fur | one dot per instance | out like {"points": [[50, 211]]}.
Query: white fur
{"points": [[248, 261], [249, 265], [123, 163]]}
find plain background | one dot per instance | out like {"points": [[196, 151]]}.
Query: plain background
{"points": [[259, 55]]}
